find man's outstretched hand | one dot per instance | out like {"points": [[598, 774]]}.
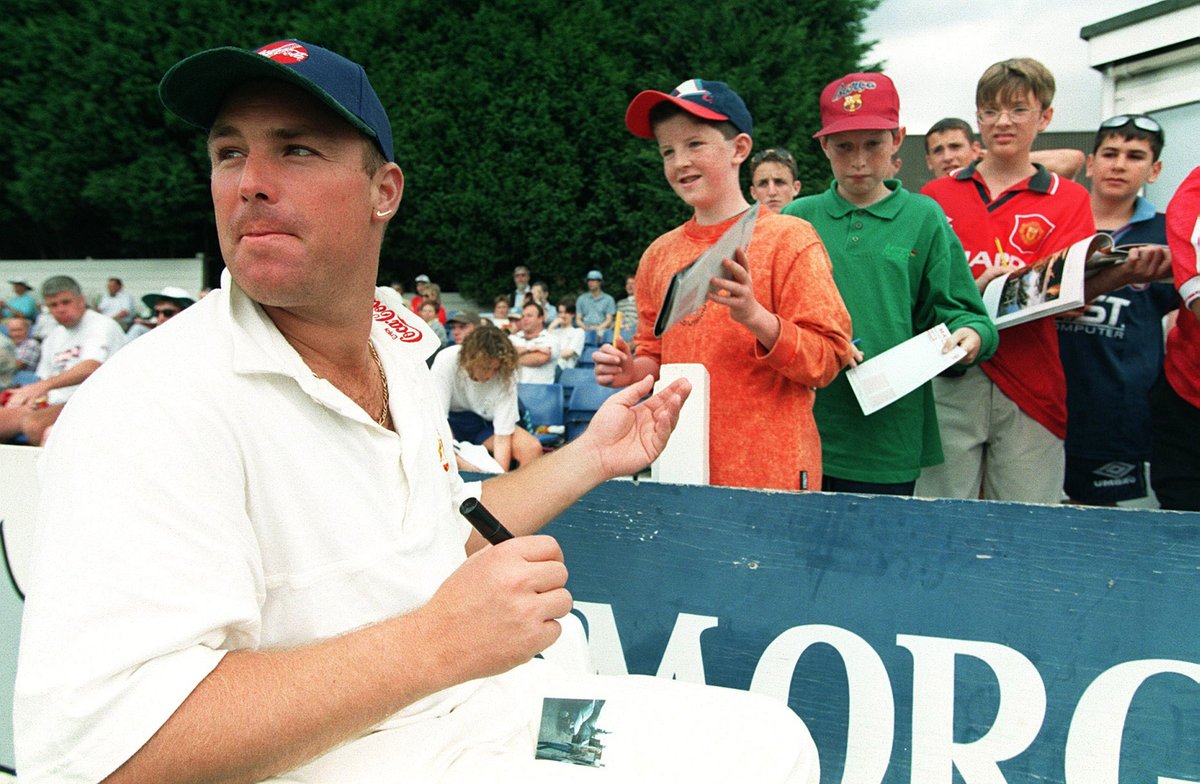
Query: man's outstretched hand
{"points": [[625, 436]]}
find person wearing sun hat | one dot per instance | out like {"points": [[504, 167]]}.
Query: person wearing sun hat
{"points": [[21, 303], [769, 334], [284, 593], [163, 305], [169, 295]]}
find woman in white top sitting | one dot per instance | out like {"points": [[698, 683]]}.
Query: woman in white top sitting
{"points": [[570, 337], [478, 386], [500, 315]]}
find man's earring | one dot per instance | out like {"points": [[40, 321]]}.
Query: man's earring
{"points": [[382, 213]]}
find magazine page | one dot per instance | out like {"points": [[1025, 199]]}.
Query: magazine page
{"points": [[884, 379], [688, 289], [1050, 285]]}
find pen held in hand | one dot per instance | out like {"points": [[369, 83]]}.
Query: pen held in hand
{"points": [[484, 521]]}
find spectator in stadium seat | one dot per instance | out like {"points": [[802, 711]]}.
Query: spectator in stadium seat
{"points": [[28, 350], [570, 337], [536, 348], [82, 340], [478, 385], [163, 305], [117, 304]]}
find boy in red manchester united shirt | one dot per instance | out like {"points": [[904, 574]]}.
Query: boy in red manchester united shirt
{"points": [[1003, 423]]}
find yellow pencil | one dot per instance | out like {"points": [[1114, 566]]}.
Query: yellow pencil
{"points": [[617, 326], [1001, 256]]}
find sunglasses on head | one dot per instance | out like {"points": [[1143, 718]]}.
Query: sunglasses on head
{"points": [[772, 154], [1140, 121]]}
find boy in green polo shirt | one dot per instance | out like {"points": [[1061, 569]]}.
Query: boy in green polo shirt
{"points": [[899, 269]]}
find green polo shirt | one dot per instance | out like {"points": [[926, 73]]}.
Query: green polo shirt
{"points": [[900, 271]]}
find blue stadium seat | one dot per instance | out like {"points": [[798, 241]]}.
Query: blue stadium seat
{"points": [[573, 377], [544, 405], [626, 335], [586, 399], [585, 359]]}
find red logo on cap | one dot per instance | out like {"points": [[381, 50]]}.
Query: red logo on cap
{"points": [[286, 52]]}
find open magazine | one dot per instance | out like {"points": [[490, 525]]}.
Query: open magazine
{"points": [[688, 289], [1051, 285]]}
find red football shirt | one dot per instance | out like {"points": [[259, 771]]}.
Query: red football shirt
{"points": [[1183, 342], [1030, 220]]}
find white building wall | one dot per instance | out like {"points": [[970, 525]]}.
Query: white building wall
{"points": [[1152, 67], [139, 276]]}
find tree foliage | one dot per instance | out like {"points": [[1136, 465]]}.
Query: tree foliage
{"points": [[508, 117]]}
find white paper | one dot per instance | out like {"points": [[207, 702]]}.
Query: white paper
{"points": [[882, 380]]}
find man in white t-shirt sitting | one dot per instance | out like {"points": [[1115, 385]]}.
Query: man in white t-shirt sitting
{"points": [[73, 350], [536, 348], [117, 304]]}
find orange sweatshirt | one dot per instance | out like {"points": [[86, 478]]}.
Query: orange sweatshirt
{"points": [[761, 429]]}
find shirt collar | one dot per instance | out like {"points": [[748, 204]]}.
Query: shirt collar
{"points": [[259, 346], [1041, 180], [886, 208], [1143, 210]]}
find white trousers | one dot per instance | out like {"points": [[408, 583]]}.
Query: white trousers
{"points": [[657, 731]]}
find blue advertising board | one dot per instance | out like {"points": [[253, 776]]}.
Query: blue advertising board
{"points": [[922, 641]]}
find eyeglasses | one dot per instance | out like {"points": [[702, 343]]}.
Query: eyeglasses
{"points": [[1140, 121], [1018, 115], [166, 313]]}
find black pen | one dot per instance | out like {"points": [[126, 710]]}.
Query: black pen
{"points": [[484, 521]]}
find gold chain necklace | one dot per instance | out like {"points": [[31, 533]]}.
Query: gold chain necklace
{"points": [[382, 419]]}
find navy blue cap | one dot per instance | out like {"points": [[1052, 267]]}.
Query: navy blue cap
{"points": [[699, 97], [195, 87]]}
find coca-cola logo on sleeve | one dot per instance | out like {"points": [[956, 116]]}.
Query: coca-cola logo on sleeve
{"points": [[394, 324]]}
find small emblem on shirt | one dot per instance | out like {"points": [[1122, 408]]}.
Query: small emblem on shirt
{"points": [[1115, 474], [1029, 232], [396, 325], [442, 455]]}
